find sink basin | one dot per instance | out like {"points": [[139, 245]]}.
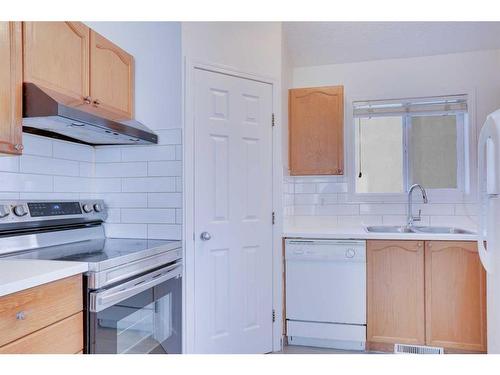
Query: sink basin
{"points": [[389, 229], [442, 230], [405, 229]]}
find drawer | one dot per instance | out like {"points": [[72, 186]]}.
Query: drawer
{"points": [[63, 337], [32, 309]]}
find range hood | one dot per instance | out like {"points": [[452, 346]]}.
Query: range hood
{"points": [[49, 113]]}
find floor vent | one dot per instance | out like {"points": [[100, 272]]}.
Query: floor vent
{"points": [[417, 349]]}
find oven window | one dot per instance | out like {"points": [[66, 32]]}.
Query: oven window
{"points": [[149, 322]]}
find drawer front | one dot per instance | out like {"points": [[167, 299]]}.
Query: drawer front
{"points": [[32, 309], [63, 337]]}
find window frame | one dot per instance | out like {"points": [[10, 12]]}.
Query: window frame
{"points": [[466, 159]]}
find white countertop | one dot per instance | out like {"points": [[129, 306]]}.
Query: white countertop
{"points": [[20, 274], [342, 232]]}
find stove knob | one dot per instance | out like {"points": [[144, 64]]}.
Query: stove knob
{"points": [[4, 211], [97, 207], [20, 210], [87, 208], [350, 253]]}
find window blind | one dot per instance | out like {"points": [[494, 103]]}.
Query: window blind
{"points": [[416, 106]]}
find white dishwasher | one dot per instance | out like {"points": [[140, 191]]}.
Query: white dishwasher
{"points": [[326, 293]]}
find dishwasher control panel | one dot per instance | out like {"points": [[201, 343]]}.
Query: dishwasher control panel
{"points": [[331, 250]]}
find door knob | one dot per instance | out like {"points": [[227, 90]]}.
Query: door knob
{"points": [[205, 236]]}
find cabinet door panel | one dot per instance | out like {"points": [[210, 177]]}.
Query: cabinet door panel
{"points": [[10, 88], [63, 337], [316, 117], [111, 77], [455, 296], [56, 56], [395, 277]]}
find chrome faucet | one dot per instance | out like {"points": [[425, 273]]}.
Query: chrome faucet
{"points": [[410, 218]]}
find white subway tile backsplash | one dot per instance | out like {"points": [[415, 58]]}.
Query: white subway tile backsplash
{"points": [[107, 185], [165, 200], [86, 169], [338, 209], [149, 205], [132, 169], [362, 220], [382, 209], [49, 196], [149, 184], [108, 154], [169, 136], [148, 215], [164, 168], [9, 163], [178, 184], [9, 195], [467, 209], [114, 215], [51, 166], [305, 188], [178, 152], [148, 153], [332, 187], [118, 230], [327, 197], [165, 231], [73, 151], [35, 145], [124, 200], [178, 215], [73, 184], [15, 182]]}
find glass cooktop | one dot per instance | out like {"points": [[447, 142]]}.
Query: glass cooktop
{"points": [[101, 251]]}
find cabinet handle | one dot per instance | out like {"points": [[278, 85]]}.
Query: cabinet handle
{"points": [[96, 102], [21, 315], [18, 147], [339, 171], [87, 100]]}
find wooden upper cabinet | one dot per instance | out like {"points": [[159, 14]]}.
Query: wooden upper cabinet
{"points": [[111, 77], [11, 80], [395, 290], [316, 139], [455, 283], [56, 56]]}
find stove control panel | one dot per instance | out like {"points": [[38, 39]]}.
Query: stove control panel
{"points": [[38, 209], [31, 211]]}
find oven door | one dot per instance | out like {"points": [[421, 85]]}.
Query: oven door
{"points": [[140, 316]]}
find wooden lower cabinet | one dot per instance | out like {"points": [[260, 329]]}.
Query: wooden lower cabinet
{"points": [[44, 319], [455, 296], [64, 337], [425, 293], [395, 290]]}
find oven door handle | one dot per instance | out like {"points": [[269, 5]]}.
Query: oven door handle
{"points": [[101, 300]]}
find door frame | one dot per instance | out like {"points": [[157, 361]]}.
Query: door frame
{"points": [[188, 324]]}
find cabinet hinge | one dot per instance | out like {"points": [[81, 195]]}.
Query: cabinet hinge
{"points": [[272, 119], [274, 315], [273, 218]]}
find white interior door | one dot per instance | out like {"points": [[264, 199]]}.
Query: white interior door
{"points": [[233, 207]]}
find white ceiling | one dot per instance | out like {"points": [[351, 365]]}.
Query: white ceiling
{"points": [[321, 43]]}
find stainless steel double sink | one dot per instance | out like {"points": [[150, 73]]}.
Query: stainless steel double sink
{"points": [[416, 229]]}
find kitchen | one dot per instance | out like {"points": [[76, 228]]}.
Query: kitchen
{"points": [[340, 216]]}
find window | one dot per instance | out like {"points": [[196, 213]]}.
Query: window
{"points": [[402, 142]]}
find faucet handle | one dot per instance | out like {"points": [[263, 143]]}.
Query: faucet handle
{"points": [[419, 217]]}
